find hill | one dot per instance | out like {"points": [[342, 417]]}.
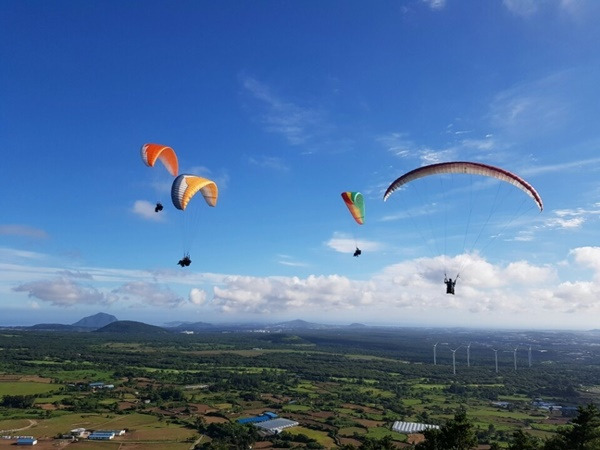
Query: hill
{"points": [[131, 327], [194, 326], [95, 321]]}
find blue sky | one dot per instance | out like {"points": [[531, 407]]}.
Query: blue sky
{"points": [[285, 104]]}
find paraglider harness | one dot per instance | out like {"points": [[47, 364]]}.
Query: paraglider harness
{"points": [[186, 261], [450, 284], [159, 207], [357, 252]]}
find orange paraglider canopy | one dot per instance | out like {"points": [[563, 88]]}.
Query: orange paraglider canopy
{"points": [[166, 155]]}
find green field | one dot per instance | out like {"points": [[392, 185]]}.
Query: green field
{"points": [[26, 388]]}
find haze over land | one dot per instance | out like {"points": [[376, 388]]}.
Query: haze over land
{"points": [[285, 106]]}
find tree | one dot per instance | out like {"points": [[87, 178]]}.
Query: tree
{"points": [[584, 434], [456, 434], [524, 441]]}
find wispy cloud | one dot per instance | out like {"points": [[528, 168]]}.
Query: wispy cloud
{"points": [[541, 107], [14, 253], [561, 167], [269, 162], [570, 218], [22, 230], [286, 260], [435, 4], [529, 8], [400, 145], [297, 124], [522, 7]]}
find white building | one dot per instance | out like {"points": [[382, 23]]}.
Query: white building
{"points": [[276, 426], [411, 427]]}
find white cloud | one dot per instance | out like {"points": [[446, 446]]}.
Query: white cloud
{"points": [[570, 218], [145, 209], [588, 257], [343, 243], [398, 144], [197, 296], [64, 292], [287, 260], [14, 253], [148, 294], [273, 295]]}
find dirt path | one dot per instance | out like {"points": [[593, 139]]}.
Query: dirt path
{"points": [[31, 424], [193, 446]]}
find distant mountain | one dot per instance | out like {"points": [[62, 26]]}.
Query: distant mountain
{"points": [[357, 325], [299, 324], [131, 327], [96, 321], [176, 323]]}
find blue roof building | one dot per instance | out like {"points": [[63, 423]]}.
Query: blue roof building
{"points": [[27, 441], [257, 419]]}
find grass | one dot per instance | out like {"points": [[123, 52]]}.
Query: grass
{"points": [[141, 426], [13, 424], [381, 432], [296, 408], [25, 388], [350, 431], [320, 436]]}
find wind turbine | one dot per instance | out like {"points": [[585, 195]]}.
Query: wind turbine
{"points": [[454, 359], [496, 358], [434, 355], [469, 355]]}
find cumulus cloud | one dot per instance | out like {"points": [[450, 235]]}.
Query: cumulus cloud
{"points": [[198, 296], [413, 286], [274, 295], [63, 291], [145, 209], [23, 230], [588, 257]]}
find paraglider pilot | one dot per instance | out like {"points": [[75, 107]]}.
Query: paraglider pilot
{"points": [[186, 261], [450, 284], [357, 252], [158, 207]]}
